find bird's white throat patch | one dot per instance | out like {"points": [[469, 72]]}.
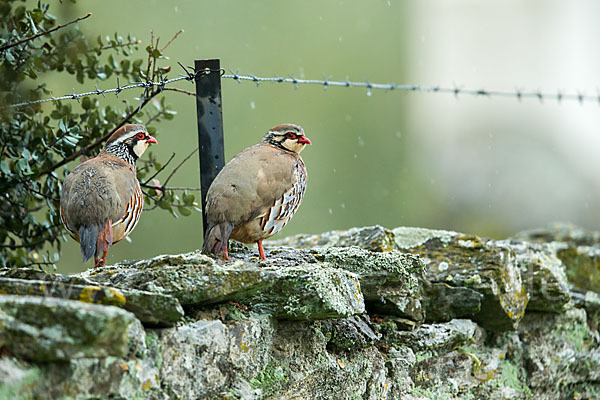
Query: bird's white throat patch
{"points": [[140, 147]]}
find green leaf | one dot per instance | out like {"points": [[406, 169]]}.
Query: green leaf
{"points": [[165, 205], [188, 199], [23, 167], [186, 212], [86, 103], [4, 168]]}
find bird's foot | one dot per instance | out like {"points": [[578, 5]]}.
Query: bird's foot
{"points": [[225, 255], [100, 262], [261, 251]]}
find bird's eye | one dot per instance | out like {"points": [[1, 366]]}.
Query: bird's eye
{"points": [[290, 135], [140, 136]]}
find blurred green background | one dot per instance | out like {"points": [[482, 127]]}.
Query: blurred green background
{"points": [[486, 166]]}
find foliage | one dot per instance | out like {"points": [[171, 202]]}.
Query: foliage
{"points": [[38, 141]]}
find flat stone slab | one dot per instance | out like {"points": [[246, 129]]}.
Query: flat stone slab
{"points": [[373, 238], [544, 276], [488, 267], [570, 234], [50, 329], [577, 248], [446, 335], [301, 290], [149, 308], [392, 282], [582, 266]]}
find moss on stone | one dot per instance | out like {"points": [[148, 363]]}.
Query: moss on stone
{"points": [[583, 266], [150, 308], [485, 266], [46, 329], [270, 379]]}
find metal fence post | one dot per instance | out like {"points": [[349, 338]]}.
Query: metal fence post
{"points": [[210, 125]]}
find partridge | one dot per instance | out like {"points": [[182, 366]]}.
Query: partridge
{"points": [[256, 194], [101, 200]]}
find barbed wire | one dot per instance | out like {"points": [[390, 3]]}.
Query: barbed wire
{"points": [[189, 75], [97, 92]]}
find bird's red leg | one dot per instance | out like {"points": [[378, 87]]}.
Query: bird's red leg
{"points": [[225, 252], [105, 239], [261, 251]]}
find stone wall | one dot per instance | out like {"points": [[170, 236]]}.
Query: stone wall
{"points": [[368, 313]]}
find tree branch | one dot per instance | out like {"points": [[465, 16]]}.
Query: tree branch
{"points": [[27, 39], [180, 91], [160, 170], [170, 41], [120, 45], [179, 165], [163, 188], [100, 140]]}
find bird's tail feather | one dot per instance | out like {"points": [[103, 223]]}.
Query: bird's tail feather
{"points": [[88, 237], [216, 238]]}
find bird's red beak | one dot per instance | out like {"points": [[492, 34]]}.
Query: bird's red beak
{"points": [[304, 140], [151, 140]]}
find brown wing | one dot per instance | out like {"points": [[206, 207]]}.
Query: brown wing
{"points": [[250, 183], [97, 191]]}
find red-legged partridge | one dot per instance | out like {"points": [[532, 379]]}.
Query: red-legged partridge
{"points": [[256, 194], [101, 199]]}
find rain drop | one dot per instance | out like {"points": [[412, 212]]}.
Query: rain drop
{"points": [[343, 205], [330, 211], [252, 105], [361, 142], [356, 156], [369, 92]]}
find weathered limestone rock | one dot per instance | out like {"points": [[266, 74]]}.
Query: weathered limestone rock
{"points": [[560, 232], [303, 291], [583, 266], [302, 367], [84, 378], [444, 302], [544, 276], [400, 362], [391, 282], [261, 358], [373, 238], [579, 250], [432, 336], [351, 333], [46, 329], [294, 327], [467, 261], [150, 308], [590, 302], [472, 264], [561, 348]]}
